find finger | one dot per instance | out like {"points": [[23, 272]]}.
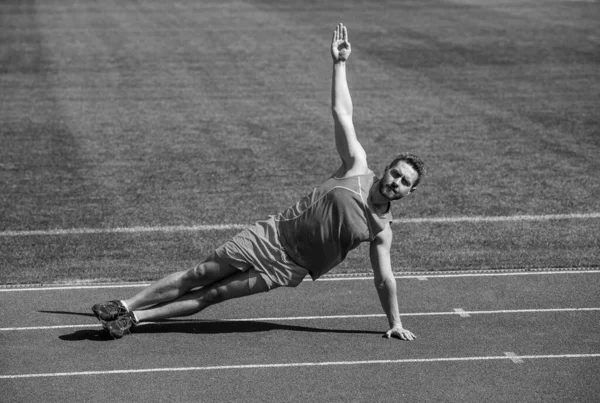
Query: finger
{"points": [[403, 335], [344, 33]]}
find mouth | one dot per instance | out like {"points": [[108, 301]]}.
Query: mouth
{"points": [[388, 192], [394, 193]]}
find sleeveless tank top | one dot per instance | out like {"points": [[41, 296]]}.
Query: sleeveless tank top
{"points": [[321, 228]]}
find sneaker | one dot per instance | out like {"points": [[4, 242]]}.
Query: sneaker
{"points": [[120, 326], [109, 310]]}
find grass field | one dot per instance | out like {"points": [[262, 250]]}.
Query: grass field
{"points": [[150, 113]]}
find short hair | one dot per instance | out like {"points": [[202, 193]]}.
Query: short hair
{"points": [[414, 161]]}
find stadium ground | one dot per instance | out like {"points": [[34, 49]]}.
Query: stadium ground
{"points": [[185, 113], [201, 117], [502, 337]]}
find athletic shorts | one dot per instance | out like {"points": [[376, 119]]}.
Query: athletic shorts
{"points": [[258, 247]]}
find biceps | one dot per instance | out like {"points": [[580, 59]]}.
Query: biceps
{"points": [[381, 262], [380, 253]]}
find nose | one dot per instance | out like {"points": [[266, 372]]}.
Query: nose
{"points": [[395, 185]]}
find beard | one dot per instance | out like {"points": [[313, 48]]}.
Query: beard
{"points": [[384, 189]]}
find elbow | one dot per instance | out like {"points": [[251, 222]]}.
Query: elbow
{"points": [[379, 282], [384, 282], [340, 113]]}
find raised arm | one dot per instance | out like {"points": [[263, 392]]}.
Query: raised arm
{"points": [[385, 283], [352, 154]]}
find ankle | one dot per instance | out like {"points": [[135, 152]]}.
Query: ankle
{"points": [[136, 320], [125, 305]]}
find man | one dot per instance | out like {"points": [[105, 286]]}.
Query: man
{"points": [[309, 238]]}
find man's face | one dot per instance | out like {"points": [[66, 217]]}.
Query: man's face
{"points": [[397, 181]]}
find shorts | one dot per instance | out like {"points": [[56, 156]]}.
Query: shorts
{"points": [[258, 247]]}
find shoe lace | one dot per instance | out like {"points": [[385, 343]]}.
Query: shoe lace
{"points": [[116, 308], [125, 322]]}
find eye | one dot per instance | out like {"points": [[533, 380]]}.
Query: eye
{"points": [[403, 179], [397, 174]]}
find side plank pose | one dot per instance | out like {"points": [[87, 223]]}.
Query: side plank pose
{"points": [[309, 238]]}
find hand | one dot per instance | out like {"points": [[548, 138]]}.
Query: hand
{"points": [[400, 333], [340, 47]]}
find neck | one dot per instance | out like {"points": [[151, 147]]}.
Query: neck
{"points": [[378, 201]]}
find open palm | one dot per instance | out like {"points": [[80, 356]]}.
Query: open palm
{"points": [[340, 47]]}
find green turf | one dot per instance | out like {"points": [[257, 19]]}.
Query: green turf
{"points": [[417, 247], [157, 113]]}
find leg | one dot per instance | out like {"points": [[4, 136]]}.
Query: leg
{"points": [[177, 284], [237, 285]]}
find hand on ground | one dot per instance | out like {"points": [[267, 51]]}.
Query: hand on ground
{"points": [[399, 333]]}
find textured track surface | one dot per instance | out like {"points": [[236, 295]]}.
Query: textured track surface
{"points": [[284, 346]]}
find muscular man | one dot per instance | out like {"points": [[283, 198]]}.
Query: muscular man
{"points": [[309, 238]]}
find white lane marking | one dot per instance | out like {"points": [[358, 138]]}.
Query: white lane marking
{"points": [[450, 275], [217, 227], [122, 230], [461, 312], [423, 276], [514, 358], [296, 364], [525, 217], [9, 329], [75, 287]]}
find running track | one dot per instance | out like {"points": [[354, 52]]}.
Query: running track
{"points": [[513, 337]]}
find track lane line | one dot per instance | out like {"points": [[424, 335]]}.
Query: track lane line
{"points": [[505, 357], [459, 312], [452, 275], [344, 277], [218, 227]]}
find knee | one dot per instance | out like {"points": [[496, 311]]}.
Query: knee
{"points": [[197, 276], [213, 296], [197, 273]]}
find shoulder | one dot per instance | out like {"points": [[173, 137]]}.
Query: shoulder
{"points": [[358, 170], [359, 183], [358, 167]]}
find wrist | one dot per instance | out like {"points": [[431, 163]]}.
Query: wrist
{"points": [[395, 322], [339, 62]]}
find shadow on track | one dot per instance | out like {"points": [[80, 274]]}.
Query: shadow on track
{"points": [[91, 315], [205, 327], [88, 334], [216, 327]]}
